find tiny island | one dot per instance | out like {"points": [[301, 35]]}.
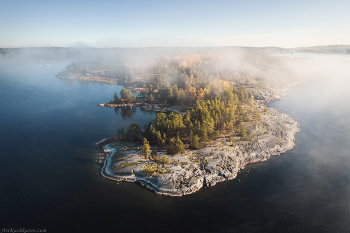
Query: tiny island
{"points": [[211, 120]]}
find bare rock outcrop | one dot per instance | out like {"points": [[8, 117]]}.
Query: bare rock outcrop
{"points": [[189, 172]]}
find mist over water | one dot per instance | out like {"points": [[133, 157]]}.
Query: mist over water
{"points": [[49, 178], [319, 179]]}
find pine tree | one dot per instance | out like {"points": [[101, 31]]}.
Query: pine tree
{"points": [[243, 132], [204, 137], [257, 114], [175, 146], [195, 143], [133, 133], [146, 149], [171, 147], [180, 145]]}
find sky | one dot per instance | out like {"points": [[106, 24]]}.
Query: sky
{"points": [[181, 23]]}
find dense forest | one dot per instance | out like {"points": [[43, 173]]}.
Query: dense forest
{"points": [[217, 109], [217, 105], [218, 89]]}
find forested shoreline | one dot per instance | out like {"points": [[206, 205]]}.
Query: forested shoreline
{"points": [[218, 121], [220, 90]]}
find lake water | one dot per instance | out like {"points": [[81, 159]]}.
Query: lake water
{"points": [[49, 179]]}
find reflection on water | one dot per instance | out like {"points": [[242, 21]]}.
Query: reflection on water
{"points": [[125, 112]]}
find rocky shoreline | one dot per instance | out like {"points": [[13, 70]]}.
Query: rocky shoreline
{"points": [[146, 106], [189, 172], [87, 77]]}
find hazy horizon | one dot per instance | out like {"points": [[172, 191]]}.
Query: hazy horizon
{"points": [[214, 46], [154, 23]]}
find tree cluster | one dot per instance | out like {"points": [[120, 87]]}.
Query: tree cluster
{"points": [[126, 96], [220, 108]]}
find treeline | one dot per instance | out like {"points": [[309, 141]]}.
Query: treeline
{"points": [[220, 109], [184, 80], [217, 106], [190, 94]]}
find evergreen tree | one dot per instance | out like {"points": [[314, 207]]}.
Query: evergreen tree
{"points": [[133, 134], [159, 140], [243, 132], [175, 146], [175, 92], [204, 138], [146, 148], [127, 96], [257, 114], [152, 134], [171, 147], [195, 143], [239, 108], [180, 145]]}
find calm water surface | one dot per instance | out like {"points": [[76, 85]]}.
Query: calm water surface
{"points": [[49, 178]]}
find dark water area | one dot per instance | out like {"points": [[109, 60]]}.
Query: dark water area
{"points": [[49, 179]]}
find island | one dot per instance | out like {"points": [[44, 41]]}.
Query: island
{"points": [[210, 123], [211, 103], [182, 174]]}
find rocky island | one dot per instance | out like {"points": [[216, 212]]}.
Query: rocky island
{"points": [[212, 119], [266, 132], [186, 173]]}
